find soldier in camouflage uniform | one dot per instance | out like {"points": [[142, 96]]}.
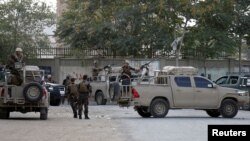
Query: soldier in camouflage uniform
{"points": [[66, 83], [126, 70], [84, 91], [14, 58], [73, 96]]}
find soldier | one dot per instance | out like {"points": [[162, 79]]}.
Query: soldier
{"points": [[73, 96], [126, 70], [66, 83], [95, 71], [50, 80], [84, 89], [17, 57]]}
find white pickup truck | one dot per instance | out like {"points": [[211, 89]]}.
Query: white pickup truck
{"points": [[181, 88]]}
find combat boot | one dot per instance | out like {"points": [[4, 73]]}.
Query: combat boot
{"points": [[75, 116], [86, 117], [80, 116]]}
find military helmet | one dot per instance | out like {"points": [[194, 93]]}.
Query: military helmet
{"points": [[19, 49]]}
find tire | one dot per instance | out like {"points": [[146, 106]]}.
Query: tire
{"points": [[114, 91], [4, 113], [100, 99], [143, 112], [159, 108], [44, 113], [229, 108], [33, 92], [213, 113]]}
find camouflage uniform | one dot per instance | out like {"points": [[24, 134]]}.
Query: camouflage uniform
{"points": [[83, 99], [16, 79], [73, 96], [66, 83], [95, 72], [126, 76]]}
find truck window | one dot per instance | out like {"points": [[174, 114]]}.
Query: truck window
{"points": [[201, 82], [183, 81], [222, 80], [233, 79]]}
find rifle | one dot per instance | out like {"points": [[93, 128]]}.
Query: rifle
{"points": [[145, 65]]}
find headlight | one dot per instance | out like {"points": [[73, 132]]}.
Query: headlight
{"points": [[243, 93], [51, 88]]}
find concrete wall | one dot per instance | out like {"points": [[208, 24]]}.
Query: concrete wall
{"points": [[60, 67]]}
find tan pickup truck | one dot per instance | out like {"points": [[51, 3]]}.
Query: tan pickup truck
{"points": [[182, 88]]}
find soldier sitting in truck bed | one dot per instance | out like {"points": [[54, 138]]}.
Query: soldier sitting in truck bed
{"points": [[14, 60]]}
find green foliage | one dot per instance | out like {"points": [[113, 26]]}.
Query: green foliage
{"points": [[141, 28], [21, 24]]}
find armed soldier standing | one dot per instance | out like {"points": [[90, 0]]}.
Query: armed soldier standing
{"points": [[66, 83], [84, 91], [73, 96], [126, 71]]}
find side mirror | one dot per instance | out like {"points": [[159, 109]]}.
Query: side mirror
{"points": [[212, 86]]}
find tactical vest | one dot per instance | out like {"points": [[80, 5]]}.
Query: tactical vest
{"points": [[73, 90]]}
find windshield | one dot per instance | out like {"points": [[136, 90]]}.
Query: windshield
{"points": [[34, 76]]}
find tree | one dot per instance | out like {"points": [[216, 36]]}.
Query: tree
{"points": [[21, 24], [241, 23]]}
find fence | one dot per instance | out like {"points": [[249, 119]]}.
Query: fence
{"points": [[65, 52]]}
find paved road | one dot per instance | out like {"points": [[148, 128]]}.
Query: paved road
{"points": [[112, 123]]}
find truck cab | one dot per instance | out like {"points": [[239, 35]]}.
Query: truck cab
{"points": [[237, 81]]}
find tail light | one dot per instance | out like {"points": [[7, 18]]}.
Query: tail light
{"points": [[45, 92], [135, 93]]}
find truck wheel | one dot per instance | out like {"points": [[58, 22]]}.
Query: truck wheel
{"points": [[33, 92], [100, 99], [44, 113], [159, 108], [229, 108], [143, 112], [4, 113], [213, 113]]}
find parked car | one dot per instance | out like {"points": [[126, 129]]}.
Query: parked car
{"points": [[237, 81], [56, 92], [182, 88]]}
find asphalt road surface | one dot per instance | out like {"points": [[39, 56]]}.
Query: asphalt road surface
{"points": [[112, 123]]}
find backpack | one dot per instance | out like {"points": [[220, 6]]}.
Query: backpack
{"points": [[73, 89], [83, 88]]}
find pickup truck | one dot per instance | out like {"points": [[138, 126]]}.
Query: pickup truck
{"points": [[105, 88], [237, 81], [176, 90]]}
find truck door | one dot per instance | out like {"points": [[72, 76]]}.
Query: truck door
{"points": [[206, 96], [183, 92]]}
